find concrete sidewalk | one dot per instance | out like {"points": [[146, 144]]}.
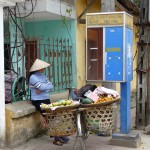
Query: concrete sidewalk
{"points": [[93, 142]]}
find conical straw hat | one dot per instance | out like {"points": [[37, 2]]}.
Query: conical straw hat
{"points": [[39, 64]]}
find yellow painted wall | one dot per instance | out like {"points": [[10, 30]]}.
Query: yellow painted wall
{"points": [[80, 44], [135, 40], [23, 122], [80, 39]]}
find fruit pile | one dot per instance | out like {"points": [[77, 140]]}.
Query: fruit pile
{"points": [[104, 99], [57, 104]]}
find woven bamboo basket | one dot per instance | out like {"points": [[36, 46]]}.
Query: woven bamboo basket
{"points": [[61, 123], [100, 120]]}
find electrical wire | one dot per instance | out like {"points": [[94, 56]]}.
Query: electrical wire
{"points": [[16, 19], [12, 11], [16, 38], [25, 8], [29, 13]]}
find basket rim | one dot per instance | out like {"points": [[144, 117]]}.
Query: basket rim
{"points": [[61, 108], [102, 103]]}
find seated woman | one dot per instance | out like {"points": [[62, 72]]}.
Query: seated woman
{"points": [[40, 87]]}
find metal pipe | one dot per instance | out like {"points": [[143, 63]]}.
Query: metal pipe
{"points": [[79, 130], [57, 62], [2, 92], [61, 55], [53, 69]]}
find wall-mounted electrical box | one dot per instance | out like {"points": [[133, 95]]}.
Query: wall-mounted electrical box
{"points": [[109, 39]]}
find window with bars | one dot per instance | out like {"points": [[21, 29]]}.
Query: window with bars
{"points": [[57, 52]]}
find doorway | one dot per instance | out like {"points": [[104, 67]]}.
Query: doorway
{"points": [[30, 54]]}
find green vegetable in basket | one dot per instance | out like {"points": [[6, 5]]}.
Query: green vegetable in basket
{"points": [[87, 101], [68, 102], [63, 102], [55, 104]]}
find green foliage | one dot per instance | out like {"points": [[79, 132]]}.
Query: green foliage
{"points": [[69, 10], [137, 2]]}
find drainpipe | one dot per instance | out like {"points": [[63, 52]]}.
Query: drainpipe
{"points": [[108, 6], [2, 87]]}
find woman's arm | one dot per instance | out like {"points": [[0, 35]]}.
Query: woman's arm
{"points": [[37, 83]]}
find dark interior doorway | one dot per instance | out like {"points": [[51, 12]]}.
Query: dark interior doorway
{"points": [[7, 58], [30, 54]]}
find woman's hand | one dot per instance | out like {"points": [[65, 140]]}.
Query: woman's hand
{"points": [[38, 92]]}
